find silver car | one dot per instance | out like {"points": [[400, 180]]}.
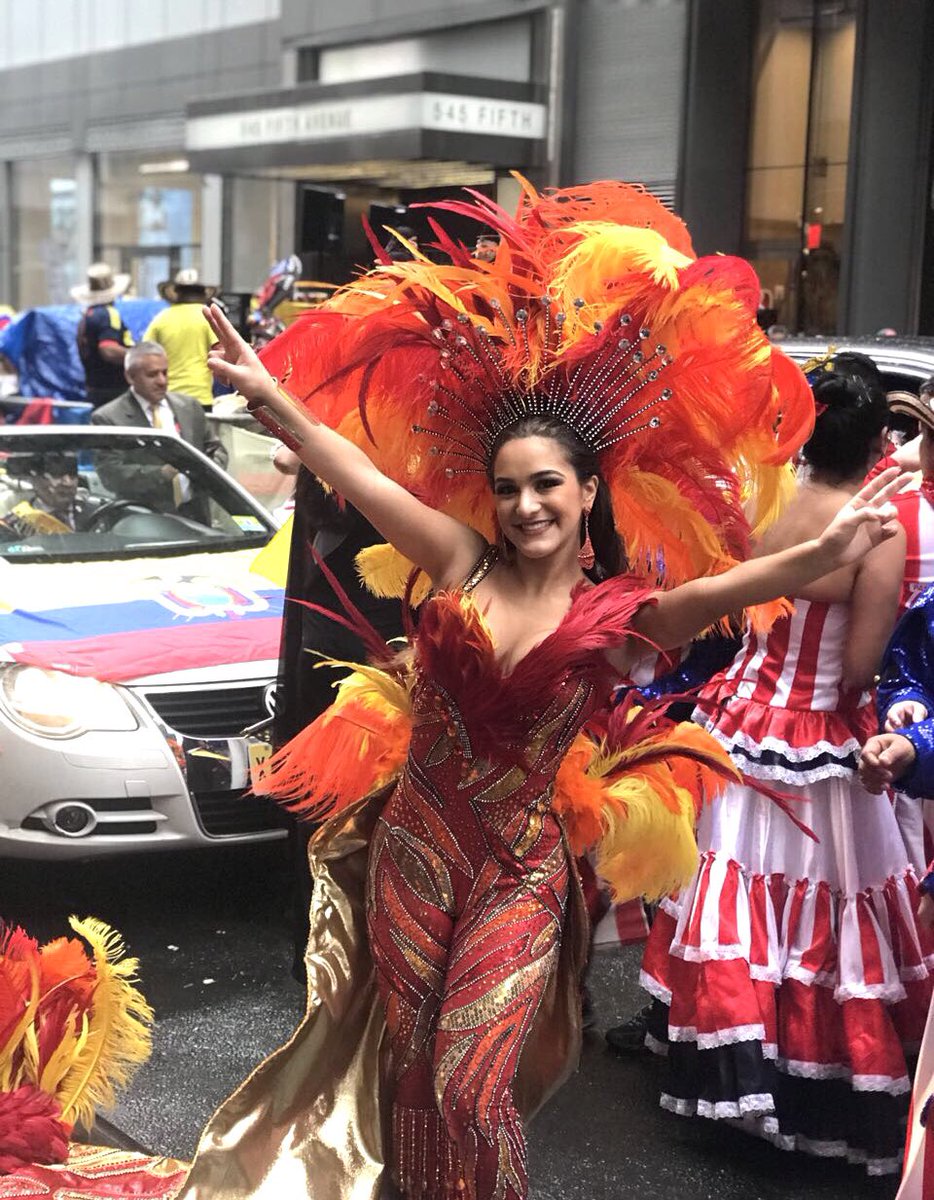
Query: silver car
{"points": [[138, 650]]}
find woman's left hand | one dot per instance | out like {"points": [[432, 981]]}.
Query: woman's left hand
{"points": [[865, 521]]}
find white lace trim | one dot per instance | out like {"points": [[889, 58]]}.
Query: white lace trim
{"points": [[765, 974], [860, 1083], [670, 906], [755, 1114], [767, 1127], [797, 1068], [719, 1037], [720, 1110], [792, 775], [848, 750], [882, 1083], [651, 985], [888, 993]]}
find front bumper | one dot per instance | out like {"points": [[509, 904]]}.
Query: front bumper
{"points": [[151, 788]]}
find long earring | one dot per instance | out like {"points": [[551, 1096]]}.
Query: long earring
{"points": [[585, 556]]}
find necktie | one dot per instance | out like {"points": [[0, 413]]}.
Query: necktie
{"points": [[163, 420]]}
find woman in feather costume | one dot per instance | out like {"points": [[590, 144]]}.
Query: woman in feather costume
{"points": [[499, 423]]}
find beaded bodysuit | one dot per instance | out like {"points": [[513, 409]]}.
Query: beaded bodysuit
{"points": [[468, 885]]}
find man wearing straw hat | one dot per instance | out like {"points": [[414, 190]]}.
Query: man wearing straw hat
{"points": [[103, 339], [184, 335]]}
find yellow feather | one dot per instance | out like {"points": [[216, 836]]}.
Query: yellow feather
{"points": [[118, 1037], [385, 572], [370, 687], [606, 252], [9, 1078], [647, 850], [60, 1060]]}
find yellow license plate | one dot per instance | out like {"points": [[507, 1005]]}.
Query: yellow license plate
{"points": [[258, 754]]}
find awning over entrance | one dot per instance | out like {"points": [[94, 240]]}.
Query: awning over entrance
{"points": [[425, 116]]}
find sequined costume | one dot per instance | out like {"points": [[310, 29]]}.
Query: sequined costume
{"points": [[791, 973], [468, 890]]}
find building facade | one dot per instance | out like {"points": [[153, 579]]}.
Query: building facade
{"points": [[223, 134]]}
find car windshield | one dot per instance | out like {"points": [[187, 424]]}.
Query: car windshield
{"points": [[93, 496]]}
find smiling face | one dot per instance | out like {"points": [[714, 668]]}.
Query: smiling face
{"points": [[539, 499]]}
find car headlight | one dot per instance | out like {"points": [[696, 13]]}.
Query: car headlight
{"points": [[54, 704]]}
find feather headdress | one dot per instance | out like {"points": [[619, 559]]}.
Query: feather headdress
{"points": [[595, 310]]}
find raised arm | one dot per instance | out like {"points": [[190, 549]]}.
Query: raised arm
{"points": [[444, 548], [866, 521]]}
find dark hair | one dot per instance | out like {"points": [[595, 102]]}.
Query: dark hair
{"points": [[51, 462], [927, 386], [608, 549], [853, 365], [851, 415]]}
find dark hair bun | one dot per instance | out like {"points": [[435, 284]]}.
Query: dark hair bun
{"points": [[851, 414], [840, 391]]}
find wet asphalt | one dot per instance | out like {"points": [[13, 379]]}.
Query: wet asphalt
{"points": [[211, 931]]}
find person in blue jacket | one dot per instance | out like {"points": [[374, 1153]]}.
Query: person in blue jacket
{"points": [[904, 750]]}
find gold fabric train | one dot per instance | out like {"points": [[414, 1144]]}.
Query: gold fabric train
{"points": [[309, 1121]]}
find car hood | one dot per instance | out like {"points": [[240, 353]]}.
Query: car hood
{"points": [[120, 620]]}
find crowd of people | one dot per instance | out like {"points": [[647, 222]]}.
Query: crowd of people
{"points": [[583, 442]]}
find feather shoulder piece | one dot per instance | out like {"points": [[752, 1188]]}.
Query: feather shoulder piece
{"points": [[357, 745], [635, 792]]}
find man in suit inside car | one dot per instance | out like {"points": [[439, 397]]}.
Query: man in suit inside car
{"points": [[148, 403]]}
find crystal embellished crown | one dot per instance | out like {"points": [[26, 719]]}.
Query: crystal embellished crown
{"points": [[601, 392]]}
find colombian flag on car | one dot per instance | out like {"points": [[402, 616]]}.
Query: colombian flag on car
{"points": [[119, 621]]}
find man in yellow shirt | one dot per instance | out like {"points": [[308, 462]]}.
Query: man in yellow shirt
{"points": [[186, 337]]}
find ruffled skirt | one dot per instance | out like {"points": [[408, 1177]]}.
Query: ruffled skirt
{"points": [[791, 974]]}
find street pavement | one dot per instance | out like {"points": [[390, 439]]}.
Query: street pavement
{"points": [[211, 930]]}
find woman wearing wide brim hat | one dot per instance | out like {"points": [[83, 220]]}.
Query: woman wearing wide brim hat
{"points": [[103, 285], [187, 288]]}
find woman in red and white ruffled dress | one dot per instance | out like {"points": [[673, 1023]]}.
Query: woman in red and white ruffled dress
{"points": [[791, 974]]}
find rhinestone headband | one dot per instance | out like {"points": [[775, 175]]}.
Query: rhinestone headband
{"points": [[603, 395]]}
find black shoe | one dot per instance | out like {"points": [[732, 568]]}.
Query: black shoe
{"points": [[630, 1037]]}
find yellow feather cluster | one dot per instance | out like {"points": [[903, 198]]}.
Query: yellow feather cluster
{"points": [[100, 1033], [116, 1034], [638, 805]]}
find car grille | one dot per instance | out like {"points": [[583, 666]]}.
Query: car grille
{"points": [[211, 712], [225, 813]]}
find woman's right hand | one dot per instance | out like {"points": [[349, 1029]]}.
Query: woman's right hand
{"points": [[235, 363], [906, 712]]}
